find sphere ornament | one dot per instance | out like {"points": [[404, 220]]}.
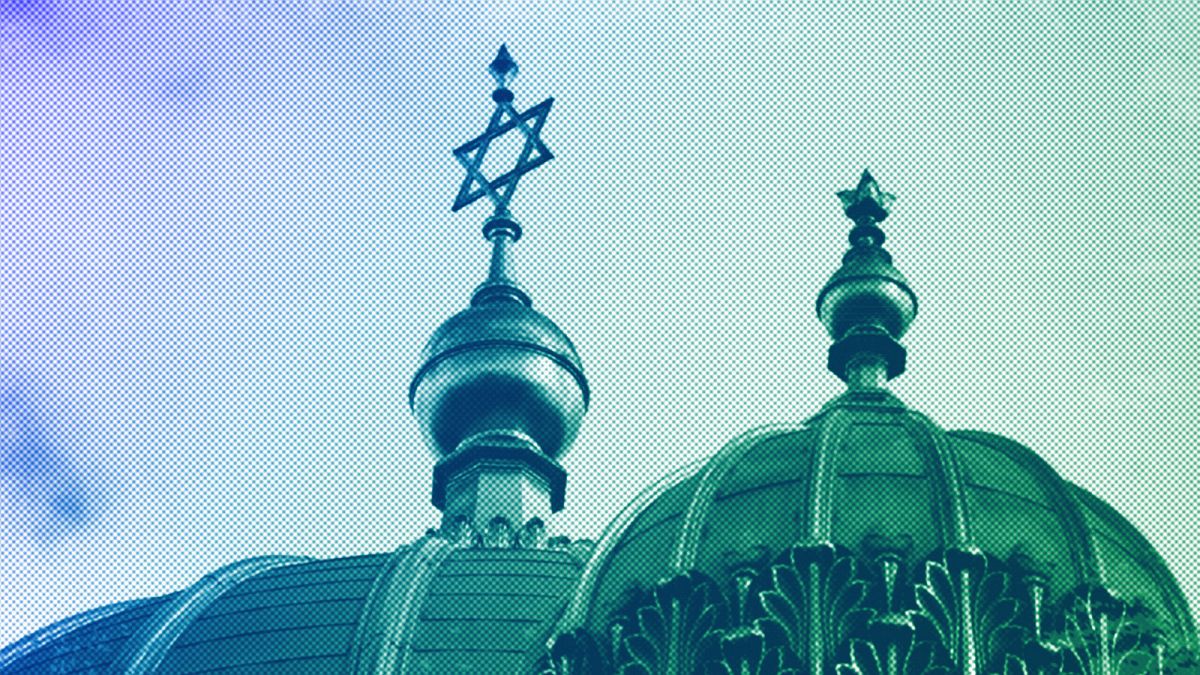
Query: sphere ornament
{"points": [[867, 291], [500, 365]]}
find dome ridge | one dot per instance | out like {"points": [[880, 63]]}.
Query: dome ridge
{"points": [[47, 635], [579, 610], [1083, 555], [709, 482], [383, 637], [145, 651]]}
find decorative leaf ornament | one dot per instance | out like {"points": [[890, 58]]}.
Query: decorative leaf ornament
{"points": [[821, 609]]}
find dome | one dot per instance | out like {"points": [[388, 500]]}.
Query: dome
{"points": [[820, 546], [868, 540], [500, 364], [448, 603]]}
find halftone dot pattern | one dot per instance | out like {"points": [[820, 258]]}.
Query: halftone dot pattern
{"points": [[226, 234]]}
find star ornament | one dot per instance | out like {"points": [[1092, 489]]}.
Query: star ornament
{"points": [[866, 200], [533, 154]]}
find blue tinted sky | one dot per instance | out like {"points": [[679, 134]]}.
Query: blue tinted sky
{"points": [[225, 235]]}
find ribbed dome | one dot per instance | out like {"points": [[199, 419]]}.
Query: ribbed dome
{"points": [[941, 544], [448, 603]]}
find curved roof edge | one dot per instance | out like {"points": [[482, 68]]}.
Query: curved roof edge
{"points": [[1079, 539], [576, 613], [714, 472], [44, 636], [146, 649], [1072, 501], [1153, 561], [382, 642]]}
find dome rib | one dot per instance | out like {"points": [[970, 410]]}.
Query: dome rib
{"points": [[818, 521], [578, 612], [709, 484], [383, 640], [1067, 510], [146, 649], [948, 477], [48, 635], [831, 440]]}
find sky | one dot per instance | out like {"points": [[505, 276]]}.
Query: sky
{"points": [[225, 235]]}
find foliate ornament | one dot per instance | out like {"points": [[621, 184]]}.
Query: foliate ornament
{"points": [[500, 533], [819, 609], [748, 652], [1181, 662], [1041, 652], [671, 631], [459, 532], [891, 644], [893, 650], [971, 603], [533, 535], [814, 585], [574, 653], [1106, 636]]}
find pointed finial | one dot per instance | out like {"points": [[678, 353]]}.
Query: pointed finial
{"points": [[866, 205], [503, 68], [501, 228], [505, 119], [867, 200], [866, 305]]}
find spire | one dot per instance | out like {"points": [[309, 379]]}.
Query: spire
{"points": [[501, 229], [866, 305], [500, 393]]}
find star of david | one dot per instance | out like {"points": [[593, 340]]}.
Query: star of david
{"points": [[866, 200], [534, 154]]}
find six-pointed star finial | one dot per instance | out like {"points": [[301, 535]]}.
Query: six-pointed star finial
{"points": [[505, 118], [867, 200]]}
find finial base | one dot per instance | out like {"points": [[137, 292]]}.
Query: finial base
{"points": [[501, 225], [498, 474], [505, 290], [859, 344], [502, 231]]}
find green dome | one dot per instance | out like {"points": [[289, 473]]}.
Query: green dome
{"points": [[448, 603], [823, 545]]}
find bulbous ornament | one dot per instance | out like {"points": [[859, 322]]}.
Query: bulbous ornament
{"points": [[500, 366]]}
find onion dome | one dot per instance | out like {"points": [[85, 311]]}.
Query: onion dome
{"points": [[867, 539], [500, 392], [500, 365]]}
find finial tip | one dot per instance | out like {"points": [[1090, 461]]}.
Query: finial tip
{"points": [[866, 200], [503, 68]]}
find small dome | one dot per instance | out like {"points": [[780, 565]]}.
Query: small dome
{"points": [[963, 548], [500, 365]]}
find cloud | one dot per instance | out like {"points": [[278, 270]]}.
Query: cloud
{"points": [[45, 496]]}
